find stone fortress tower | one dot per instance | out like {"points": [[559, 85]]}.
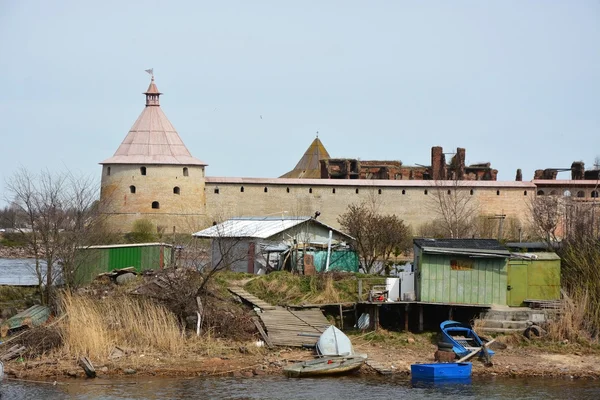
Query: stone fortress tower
{"points": [[153, 176]]}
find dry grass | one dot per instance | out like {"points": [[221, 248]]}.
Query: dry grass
{"points": [[94, 327], [285, 288], [573, 323]]}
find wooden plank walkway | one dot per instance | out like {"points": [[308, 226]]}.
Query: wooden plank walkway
{"points": [[238, 291], [283, 326]]}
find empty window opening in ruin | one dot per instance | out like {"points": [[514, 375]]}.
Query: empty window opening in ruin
{"points": [[594, 194], [107, 170], [185, 171], [143, 170], [131, 189], [176, 190], [567, 193], [242, 189], [540, 192], [525, 193], [581, 194], [553, 193], [449, 191], [216, 190], [266, 189], [310, 190], [155, 205]]}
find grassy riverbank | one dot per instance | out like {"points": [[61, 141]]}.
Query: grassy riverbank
{"points": [[140, 328]]}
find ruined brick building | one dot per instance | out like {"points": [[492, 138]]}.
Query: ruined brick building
{"points": [[153, 176]]}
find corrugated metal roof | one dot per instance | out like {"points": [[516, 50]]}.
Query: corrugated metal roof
{"points": [[309, 166], [479, 244], [152, 139], [257, 227], [467, 247], [114, 246]]}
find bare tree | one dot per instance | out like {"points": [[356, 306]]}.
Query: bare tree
{"points": [[56, 213], [546, 214], [377, 236], [453, 202]]}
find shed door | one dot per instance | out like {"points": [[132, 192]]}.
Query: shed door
{"points": [[517, 283]]}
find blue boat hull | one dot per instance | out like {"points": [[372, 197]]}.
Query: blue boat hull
{"points": [[441, 371], [450, 329]]}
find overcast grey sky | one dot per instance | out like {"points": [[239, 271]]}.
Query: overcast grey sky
{"points": [[516, 83]]}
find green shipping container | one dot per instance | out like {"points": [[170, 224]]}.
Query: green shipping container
{"points": [[94, 260], [533, 278]]}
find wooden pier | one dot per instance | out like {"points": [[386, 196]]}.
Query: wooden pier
{"points": [[285, 327]]}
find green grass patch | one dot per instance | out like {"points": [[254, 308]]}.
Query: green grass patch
{"points": [[283, 288]]}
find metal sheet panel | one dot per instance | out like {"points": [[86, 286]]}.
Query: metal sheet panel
{"points": [[478, 281]]}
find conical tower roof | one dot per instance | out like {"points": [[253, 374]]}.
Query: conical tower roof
{"points": [[152, 139], [309, 166]]}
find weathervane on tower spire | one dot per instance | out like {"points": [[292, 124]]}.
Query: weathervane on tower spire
{"points": [[152, 94], [150, 71]]}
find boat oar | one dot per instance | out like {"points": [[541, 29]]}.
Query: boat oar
{"points": [[477, 350]]}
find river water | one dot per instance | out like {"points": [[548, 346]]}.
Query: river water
{"points": [[279, 387], [19, 271]]}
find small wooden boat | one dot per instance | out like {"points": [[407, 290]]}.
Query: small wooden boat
{"points": [[463, 338], [326, 366], [334, 342]]}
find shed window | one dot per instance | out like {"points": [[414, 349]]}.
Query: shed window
{"points": [[176, 190], [131, 189], [155, 205], [185, 171], [143, 170]]}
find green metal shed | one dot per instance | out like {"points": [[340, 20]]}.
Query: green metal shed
{"points": [[94, 260], [533, 276], [461, 271]]}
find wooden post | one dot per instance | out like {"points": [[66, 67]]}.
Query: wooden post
{"points": [[356, 314], [406, 317], [420, 317], [377, 317], [341, 318], [359, 289]]}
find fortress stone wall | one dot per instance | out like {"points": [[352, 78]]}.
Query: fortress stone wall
{"points": [[412, 201], [177, 193]]}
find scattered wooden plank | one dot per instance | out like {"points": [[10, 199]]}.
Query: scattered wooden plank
{"points": [[87, 366], [262, 332], [13, 352]]}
